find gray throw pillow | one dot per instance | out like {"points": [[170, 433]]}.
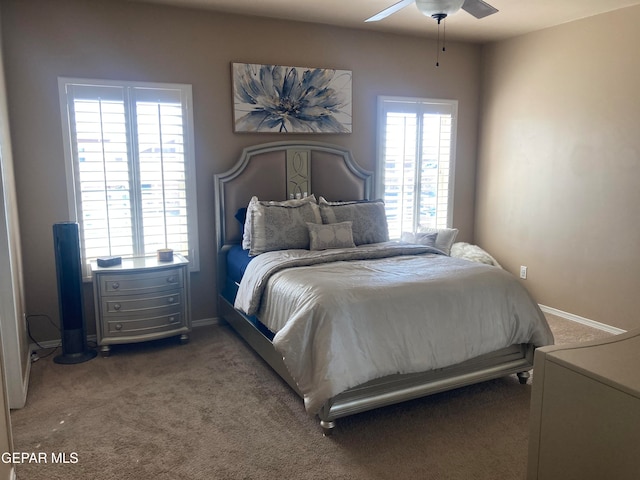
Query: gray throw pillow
{"points": [[331, 235]]}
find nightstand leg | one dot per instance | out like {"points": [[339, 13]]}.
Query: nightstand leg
{"points": [[184, 338], [105, 350]]}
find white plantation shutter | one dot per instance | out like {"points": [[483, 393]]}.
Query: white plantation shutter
{"points": [[130, 158], [416, 151]]}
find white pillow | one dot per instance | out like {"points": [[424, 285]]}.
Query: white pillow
{"points": [[444, 239], [428, 239]]}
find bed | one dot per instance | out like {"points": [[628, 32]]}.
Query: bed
{"points": [[350, 320]]}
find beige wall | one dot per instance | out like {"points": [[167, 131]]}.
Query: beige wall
{"points": [[129, 41], [558, 185]]}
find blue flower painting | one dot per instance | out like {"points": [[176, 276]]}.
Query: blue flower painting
{"points": [[273, 98]]}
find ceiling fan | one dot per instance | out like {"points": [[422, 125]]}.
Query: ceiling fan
{"points": [[439, 9]]}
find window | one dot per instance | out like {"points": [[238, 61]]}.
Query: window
{"points": [[415, 162], [130, 167]]}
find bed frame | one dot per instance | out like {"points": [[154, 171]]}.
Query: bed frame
{"points": [[276, 171]]}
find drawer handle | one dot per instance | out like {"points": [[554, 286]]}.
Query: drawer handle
{"points": [[115, 285], [117, 306], [172, 279], [118, 326], [171, 299], [172, 319]]}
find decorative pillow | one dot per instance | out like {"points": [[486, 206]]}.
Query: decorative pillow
{"points": [[246, 232], [428, 239], [444, 240], [332, 235], [369, 219], [280, 227]]}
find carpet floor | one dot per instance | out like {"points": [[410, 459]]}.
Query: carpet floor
{"points": [[212, 409]]}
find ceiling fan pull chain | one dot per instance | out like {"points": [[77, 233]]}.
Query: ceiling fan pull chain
{"points": [[444, 35], [438, 47], [439, 17]]}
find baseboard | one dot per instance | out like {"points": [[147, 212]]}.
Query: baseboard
{"points": [[203, 322], [54, 344], [582, 320]]}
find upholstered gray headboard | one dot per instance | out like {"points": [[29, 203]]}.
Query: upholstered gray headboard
{"points": [[276, 171]]}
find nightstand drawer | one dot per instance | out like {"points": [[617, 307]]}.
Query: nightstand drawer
{"points": [[132, 284], [136, 305], [146, 325]]}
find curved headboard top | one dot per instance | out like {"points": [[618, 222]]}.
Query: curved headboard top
{"points": [[278, 170]]}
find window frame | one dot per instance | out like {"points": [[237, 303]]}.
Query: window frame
{"points": [[73, 180], [419, 106]]}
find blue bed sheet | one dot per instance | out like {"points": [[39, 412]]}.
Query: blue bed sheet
{"points": [[237, 261]]}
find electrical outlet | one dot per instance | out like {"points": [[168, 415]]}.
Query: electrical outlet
{"points": [[523, 271]]}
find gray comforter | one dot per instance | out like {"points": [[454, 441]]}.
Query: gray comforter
{"points": [[346, 316]]}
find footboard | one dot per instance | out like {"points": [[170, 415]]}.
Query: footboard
{"points": [[391, 389], [399, 388]]}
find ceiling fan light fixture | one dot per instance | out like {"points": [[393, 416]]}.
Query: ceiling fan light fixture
{"points": [[435, 8]]}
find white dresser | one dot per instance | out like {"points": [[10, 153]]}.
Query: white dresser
{"points": [[141, 299], [585, 411]]}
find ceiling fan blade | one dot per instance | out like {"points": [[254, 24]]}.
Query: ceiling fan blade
{"points": [[478, 8], [391, 10]]}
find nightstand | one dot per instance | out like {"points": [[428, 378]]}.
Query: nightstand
{"points": [[585, 410], [141, 299]]}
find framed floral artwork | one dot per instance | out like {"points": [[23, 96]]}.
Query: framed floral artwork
{"points": [[279, 99]]}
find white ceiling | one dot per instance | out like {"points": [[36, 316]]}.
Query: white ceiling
{"points": [[515, 17]]}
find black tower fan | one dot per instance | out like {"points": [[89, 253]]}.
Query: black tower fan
{"points": [[66, 242]]}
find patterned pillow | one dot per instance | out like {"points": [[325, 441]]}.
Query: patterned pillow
{"points": [[280, 227], [246, 232], [332, 235], [369, 219]]}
